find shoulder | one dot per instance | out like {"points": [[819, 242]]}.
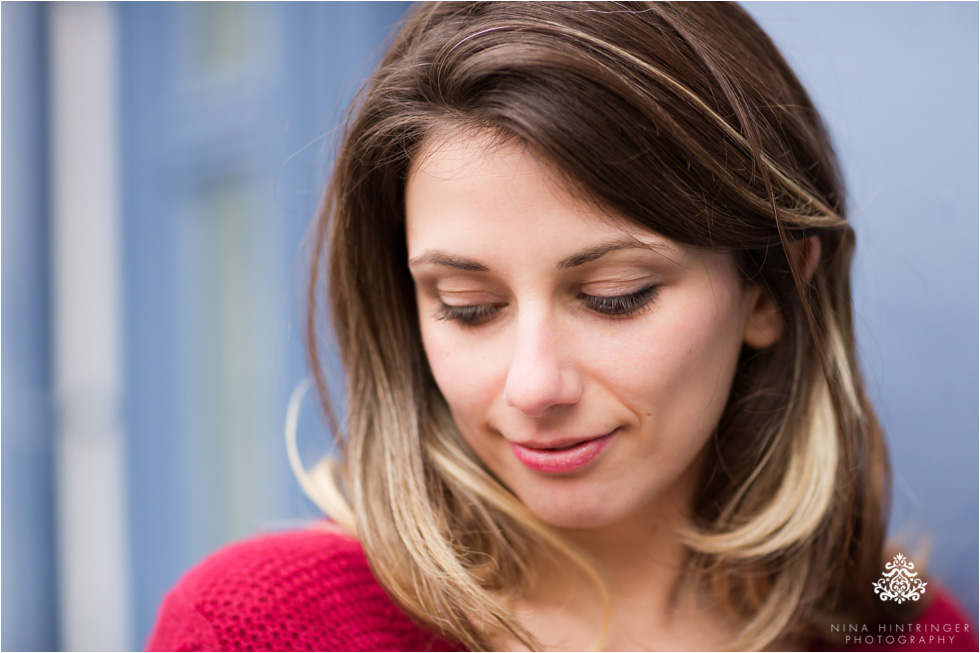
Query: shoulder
{"points": [[301, 590], [942, 625]]}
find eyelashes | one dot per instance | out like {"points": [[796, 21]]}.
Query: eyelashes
{"points": [[468, 315], [616, 307], [621, 306]]}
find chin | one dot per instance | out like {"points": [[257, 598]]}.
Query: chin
{"points": [[574, 514], [574, 521]]}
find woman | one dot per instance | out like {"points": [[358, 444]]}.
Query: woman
{"points": [[588, 271]]}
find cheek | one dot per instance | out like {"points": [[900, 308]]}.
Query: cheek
{"points": [[465, 377], [680, 366]]}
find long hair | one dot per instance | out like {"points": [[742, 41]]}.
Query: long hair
{"points": [[684, 119]]}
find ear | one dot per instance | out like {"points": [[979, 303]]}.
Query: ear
{"points": [[764, 323], [807, 254]]}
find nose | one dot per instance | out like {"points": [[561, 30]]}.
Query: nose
{"points": [[540, 377]]}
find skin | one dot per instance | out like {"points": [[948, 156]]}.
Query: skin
{"points": [[525, 353]]}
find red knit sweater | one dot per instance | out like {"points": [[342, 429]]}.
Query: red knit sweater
{"points": [[306, 590], [313, 590]]}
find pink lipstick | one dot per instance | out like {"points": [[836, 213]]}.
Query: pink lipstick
{"points": [[561, 457]]}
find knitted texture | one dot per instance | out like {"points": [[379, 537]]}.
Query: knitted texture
{"points": [[298, 591], [313, 590]]}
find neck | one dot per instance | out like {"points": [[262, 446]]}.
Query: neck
{"points": [[639, 562], [653, 603], [641, 557]]}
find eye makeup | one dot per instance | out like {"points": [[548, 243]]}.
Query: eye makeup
{"points": [[621, 306], [470, 315], [614, 306]]}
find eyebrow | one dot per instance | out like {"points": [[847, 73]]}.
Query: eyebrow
{"points": [[439, 257], [600, 250]]}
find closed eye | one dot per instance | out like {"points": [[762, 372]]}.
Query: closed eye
{"points": [[470, 315], [621, 306], [618, 306]]}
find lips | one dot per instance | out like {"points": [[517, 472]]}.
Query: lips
{"points": [[561, 456]]}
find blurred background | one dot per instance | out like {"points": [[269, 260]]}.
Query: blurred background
{"points": [[161, 163]]}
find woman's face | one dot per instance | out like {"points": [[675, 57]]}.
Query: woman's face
{"points": [[586, 361]]}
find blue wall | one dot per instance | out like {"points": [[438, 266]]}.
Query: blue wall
{"points": [[897, 84], [227, 116], [29, 584]]}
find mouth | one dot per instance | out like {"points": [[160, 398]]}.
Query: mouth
{"points": [[561, 456]]}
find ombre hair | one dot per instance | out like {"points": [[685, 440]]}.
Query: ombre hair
{"points": [[682, 118]]}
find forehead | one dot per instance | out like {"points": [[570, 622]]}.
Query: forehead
{"points": [[461, 161], [468, 185]]}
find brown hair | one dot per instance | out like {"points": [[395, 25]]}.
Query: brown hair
{"points": [[685, 119]]}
